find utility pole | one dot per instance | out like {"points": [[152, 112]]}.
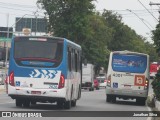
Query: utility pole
{"points": [[6, 42], [151, 3]]}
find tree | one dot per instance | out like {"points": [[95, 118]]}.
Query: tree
{"points": [[156, 37], [68, 18], [96, 46], [75, 20], [156, 85], [97, 33]]}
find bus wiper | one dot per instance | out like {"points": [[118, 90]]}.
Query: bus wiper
{"points": [[38, 59]]}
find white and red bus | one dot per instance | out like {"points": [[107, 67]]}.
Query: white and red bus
{"points": [[128, 76]]}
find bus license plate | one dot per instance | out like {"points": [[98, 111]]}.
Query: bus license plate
{"points": [[127, 86], [36, 92], [129, 92]]}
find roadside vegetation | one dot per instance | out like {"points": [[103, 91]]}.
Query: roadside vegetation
{"points": [[97, 32]]}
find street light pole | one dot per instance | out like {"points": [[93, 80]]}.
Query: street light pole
{"points": [[6, 43], [19, 19], [151, 3]]}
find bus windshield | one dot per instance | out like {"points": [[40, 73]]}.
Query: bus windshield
{"points": [[37, 49], [132, 63]]}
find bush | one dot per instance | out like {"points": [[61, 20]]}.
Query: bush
{"points": [[156, 85], [150, 101]]}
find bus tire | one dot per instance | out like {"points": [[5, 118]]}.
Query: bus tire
{"points": [[33, 102], [113, 99], [141, 101], [108, 98], [73, 103], [60, 104], [67, 104], [92, 88], [19, 102], [26, 103], [79, 92]]}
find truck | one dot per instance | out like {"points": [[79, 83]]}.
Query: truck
{"points": [[88, 76], [153, 68]]}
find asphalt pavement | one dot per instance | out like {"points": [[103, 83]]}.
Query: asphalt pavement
{"points": [[2, 88]]}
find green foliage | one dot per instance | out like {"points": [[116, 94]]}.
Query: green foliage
{"points": [[69, 18], [97, 33], [156, 85], [156, 37]]}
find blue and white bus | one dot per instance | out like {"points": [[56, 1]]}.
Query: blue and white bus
{"points": [[44, 69]]}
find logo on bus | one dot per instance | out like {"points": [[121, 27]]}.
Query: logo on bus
{"points": [[49, 74], [139, 80]]}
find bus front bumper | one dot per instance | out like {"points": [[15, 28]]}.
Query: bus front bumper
{"points": [[126, 93], [37, 94]]}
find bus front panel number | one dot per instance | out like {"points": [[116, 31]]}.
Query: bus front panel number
{"points": [[117, 75]]}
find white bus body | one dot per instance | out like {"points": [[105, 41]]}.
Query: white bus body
{"points": [[127, 77]]}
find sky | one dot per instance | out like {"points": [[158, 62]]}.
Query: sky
{"points": [[133, 12]]}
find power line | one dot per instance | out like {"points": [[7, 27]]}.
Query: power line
{"points": [[148, 11], [21, 10], [140, 19], [157, 5], [16, 9], [141, 14], [28, 6], [125, 10]]}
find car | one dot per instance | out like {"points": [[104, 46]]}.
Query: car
{"points": [[96, 84], [102, 81]]}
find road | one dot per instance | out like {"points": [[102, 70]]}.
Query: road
{"points": [[90, 101]]}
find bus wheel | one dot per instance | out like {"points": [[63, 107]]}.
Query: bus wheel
{"points": [[67, 104], [73, 103], [18, 102], [33, 102], [141, 101], [108, 98], [92, 88], [26, 103], [113, 98], [60, 104], [79, 93]]}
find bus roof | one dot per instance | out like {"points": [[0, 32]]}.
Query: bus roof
{"points": [[59, 38], [126, 52]]}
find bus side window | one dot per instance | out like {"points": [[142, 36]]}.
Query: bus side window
{"points": [[77, 61], [73, 60], [69, 60]]}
